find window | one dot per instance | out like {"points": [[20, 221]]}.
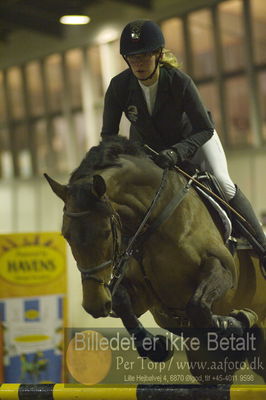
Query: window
{"points": [[15, 90], [74, 71], [80, 132], [209, 94], [53, 69], [200, 28], [41, 140], [60, 145], [6, 169], [232, 34], [238, 111], [174, 40], [2, 99], [258, 10], [4, 141], [62, 113], [262, 97], [35, 88], [95, 67], [22, 149], [120, 64]]}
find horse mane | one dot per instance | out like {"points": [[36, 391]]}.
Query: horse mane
{"points": [[106, 155]]}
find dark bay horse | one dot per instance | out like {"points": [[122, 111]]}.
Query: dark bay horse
{"points": [[183, 273]]}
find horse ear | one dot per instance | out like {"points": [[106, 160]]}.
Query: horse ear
{"points": [[98, 186], [57, 188]]}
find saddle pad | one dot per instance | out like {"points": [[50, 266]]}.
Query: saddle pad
{"points": [[224, 217]]}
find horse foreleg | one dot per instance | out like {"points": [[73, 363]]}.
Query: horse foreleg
{"points": [[214, 281], [156, 348]]}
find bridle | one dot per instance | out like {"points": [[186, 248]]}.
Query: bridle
{"points": [[115, 222], [119, 259]]}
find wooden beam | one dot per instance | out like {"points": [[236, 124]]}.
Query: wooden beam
{"points": [[30, 19], [147, 4]]}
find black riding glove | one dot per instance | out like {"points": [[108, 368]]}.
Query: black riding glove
{"points": [[166, 158]]}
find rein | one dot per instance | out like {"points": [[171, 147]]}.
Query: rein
{"points": [[205, 188], [119, 268]]}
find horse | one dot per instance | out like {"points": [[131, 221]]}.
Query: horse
{"points": [[175, 262]]}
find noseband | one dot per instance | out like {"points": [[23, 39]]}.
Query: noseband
{"points": [[89, 274]]}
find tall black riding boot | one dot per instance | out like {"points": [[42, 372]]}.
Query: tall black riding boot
{"points": [[241, 204]]}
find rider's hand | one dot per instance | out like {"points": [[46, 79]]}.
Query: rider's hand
{"points": [[166, 158]]}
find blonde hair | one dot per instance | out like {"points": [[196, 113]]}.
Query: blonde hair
{"points": [[169, 59]]}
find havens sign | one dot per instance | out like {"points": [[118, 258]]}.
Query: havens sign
{"points": [[31, 265]]}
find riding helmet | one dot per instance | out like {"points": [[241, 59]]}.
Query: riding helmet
{"points": [[141, 36]]}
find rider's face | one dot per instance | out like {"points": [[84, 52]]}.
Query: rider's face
{"points": [[142, 65]]}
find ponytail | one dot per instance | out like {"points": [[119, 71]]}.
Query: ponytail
{"points": [[169, 59]]}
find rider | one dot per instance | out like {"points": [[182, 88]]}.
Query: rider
{"points": [[166, 112]]}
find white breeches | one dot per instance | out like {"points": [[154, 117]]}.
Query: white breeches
{"points": [[210, 157]]}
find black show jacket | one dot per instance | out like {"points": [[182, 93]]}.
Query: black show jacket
{"points": [[179, 118]]}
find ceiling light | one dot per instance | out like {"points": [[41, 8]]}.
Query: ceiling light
{"points": [[75, 19]]}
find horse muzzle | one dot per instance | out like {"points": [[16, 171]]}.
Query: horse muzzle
{"points": [[99, 312]]}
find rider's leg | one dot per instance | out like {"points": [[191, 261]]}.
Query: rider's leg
{"points": [[212, 158], [241, 204]]}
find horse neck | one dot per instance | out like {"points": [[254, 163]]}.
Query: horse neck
{"points": [[132, 188]]}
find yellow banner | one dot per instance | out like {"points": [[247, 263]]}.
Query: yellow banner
{"points": [[33, 288], [32, 264]]}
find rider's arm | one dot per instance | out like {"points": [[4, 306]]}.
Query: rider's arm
{"points": [[202, 127]]}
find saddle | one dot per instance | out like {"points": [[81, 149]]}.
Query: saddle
{"points": [[231, 236]]}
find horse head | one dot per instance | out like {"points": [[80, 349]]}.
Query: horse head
{"points": [[92, 229]]}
